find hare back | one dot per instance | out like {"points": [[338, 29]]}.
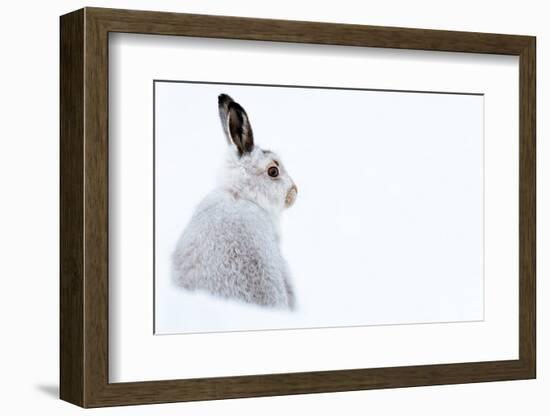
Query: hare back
{"points": [[230, 249]]}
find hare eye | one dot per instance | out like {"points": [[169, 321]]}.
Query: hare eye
{"points": [[273, 171]]}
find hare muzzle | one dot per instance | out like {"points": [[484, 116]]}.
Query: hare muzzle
{"points": [[291, 196]]}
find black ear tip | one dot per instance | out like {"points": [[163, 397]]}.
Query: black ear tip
{"points": [[235, 106], [224, 99]]}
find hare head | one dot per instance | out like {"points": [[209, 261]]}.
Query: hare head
{"points": [[250, 172]]}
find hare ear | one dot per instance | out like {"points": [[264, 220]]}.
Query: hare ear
{"points": [[236, 124]]}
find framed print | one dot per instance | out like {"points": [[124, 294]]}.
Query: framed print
{"points": [[255, 207]]}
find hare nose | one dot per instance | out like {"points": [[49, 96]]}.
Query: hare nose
{"points": [[291, 195]]}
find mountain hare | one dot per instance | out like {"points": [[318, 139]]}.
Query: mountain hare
{"points": [[230, 247]]}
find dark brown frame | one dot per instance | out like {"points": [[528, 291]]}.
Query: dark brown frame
{"points": [[84, 208]]}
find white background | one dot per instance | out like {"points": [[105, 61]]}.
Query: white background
{"points": [[379, 174], [135, 355], [29, 220]]}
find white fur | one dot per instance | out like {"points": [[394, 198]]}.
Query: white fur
{"points": [[230, 248]]}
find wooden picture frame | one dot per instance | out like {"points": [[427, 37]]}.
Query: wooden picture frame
{"points": [[84, 207]]}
